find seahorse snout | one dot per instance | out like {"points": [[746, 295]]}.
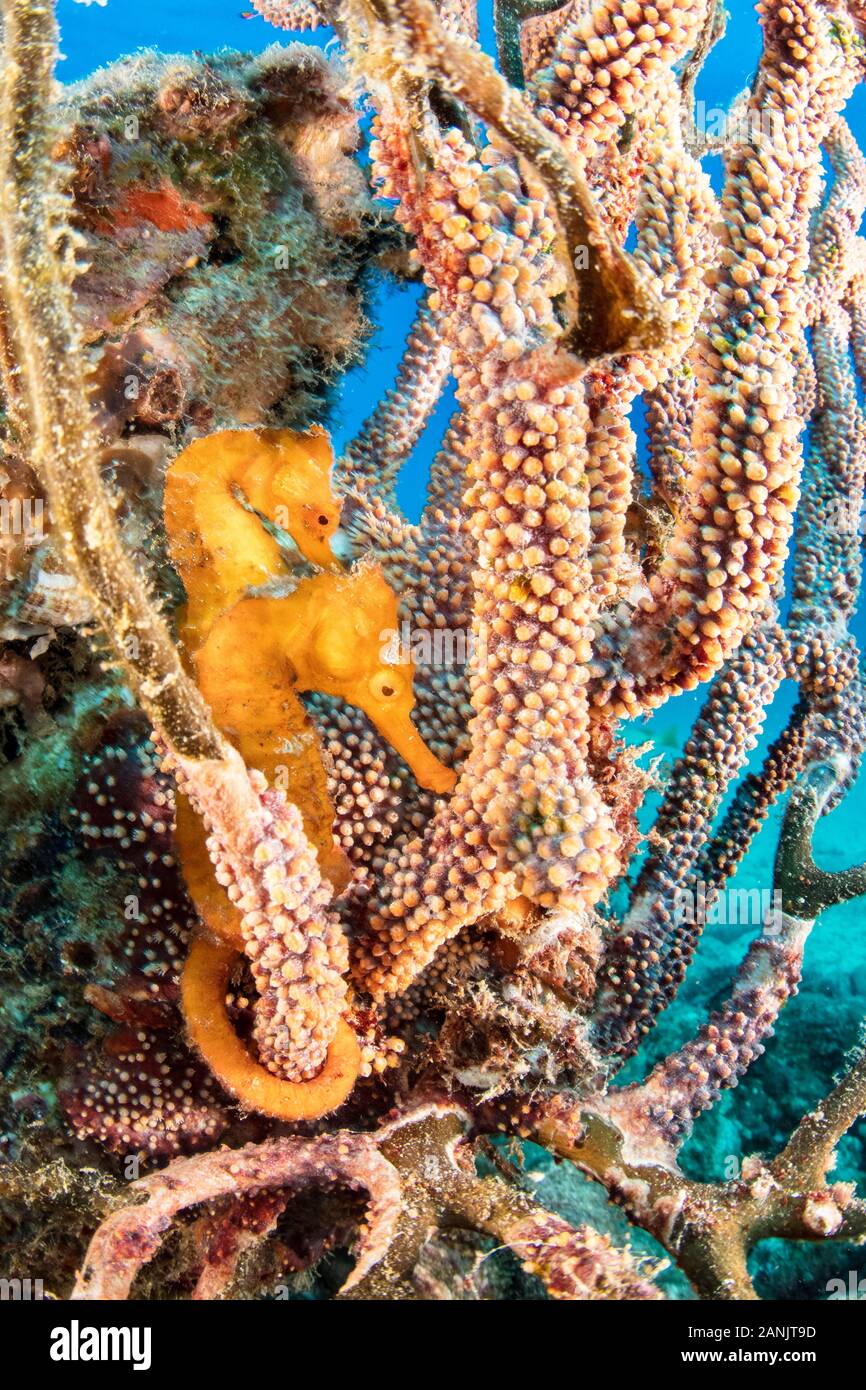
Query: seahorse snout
{"points": [[395, 724]]}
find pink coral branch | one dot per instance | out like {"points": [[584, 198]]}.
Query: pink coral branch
{"points": [[130, 1238]]}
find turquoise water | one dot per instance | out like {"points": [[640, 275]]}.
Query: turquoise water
{"points": [[822, 1023]]}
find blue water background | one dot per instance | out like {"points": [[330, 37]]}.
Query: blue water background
{"points": [[822, 1022]]}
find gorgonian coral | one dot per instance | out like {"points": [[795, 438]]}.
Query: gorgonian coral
{"points": [[401, 857]]}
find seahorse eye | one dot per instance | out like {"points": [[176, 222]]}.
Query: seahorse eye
{"points": [[314, 517], [387, 685]]}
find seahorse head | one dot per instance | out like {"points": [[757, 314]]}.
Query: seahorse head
{"points": [[300, 497], [349, 651]]}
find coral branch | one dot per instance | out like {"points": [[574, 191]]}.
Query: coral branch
{"points": [[129, 1238], [441, 1192], [662, 1110], [508, 17], [204, 986], [376, 455], [650, 952], [295, 945], [299, 15], [805, 889], [418, 1183], [810, 1153], [616, 307], [728, 546]]}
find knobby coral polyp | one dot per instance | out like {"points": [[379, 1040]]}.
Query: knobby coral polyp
{"points": [[401, 872]]}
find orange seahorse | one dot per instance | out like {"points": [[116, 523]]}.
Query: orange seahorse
{"points": [[327, 636], [218, 546], [216, 493], [251, 658]]}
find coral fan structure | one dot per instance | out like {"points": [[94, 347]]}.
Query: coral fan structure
{"points": [[326, 890]]}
